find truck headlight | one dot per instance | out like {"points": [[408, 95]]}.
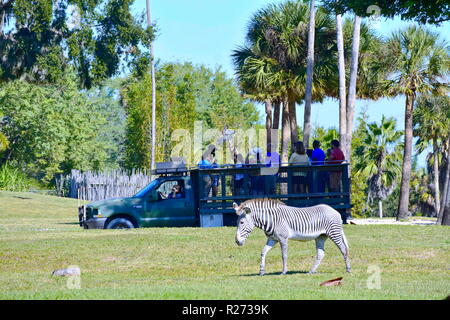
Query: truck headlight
{"points": [[96, 213]]}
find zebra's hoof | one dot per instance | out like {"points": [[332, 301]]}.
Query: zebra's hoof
{"points": [[283, 273], [261, 274], [311, 272]]}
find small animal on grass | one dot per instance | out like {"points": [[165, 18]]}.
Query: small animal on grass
{"points": [[281, 222]]}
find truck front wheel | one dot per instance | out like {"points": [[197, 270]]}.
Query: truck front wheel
{"points": [[119, 223]]}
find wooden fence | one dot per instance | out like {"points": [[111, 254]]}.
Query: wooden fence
{"points": [[93, 186]]}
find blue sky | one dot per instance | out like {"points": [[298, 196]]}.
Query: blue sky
{"points": [[206, 32]]}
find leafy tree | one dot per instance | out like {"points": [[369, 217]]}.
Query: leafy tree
{"points": [[379, 158], [271, 65], [325, 136], [52, 129], [40, 39], [185, 93], [423, 11], [104, 100], [431, 126]]}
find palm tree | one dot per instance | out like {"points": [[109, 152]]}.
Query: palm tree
{"points": [[272, 63], [444, 213], [379, 159], [342, 90], [351, 100], [416, 61], [309, 75], [431, 125]]}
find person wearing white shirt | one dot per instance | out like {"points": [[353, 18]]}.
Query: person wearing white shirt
{"points": [[299, 157]]}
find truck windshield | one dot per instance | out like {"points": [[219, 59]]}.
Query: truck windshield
{"points": [[147, 188]]}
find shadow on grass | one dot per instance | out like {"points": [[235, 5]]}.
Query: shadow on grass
{"points": [[71, 223], [272, 274]]}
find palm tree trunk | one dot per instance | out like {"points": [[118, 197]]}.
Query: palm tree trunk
{"points": [[293, 119], [407, 152], [286, 132], [352, 85], [268, 121], [445, 201], [276, 115], [309, 75], [342, 87], [436, 177]]}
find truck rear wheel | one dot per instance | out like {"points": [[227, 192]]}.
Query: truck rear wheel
{"points": [[119, 223]]}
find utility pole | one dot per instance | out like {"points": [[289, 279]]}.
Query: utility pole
{"points": [[152, 165]]}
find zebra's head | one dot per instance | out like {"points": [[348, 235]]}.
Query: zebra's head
{"points": [[245, 223]]}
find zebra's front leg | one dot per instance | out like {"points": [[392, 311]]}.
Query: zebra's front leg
{"points": [[269, 245], [320, 247], [284, 254]]}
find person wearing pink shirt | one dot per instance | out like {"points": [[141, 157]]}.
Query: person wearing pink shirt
{"points": [[336, 157]]}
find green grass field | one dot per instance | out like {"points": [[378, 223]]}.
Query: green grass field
{"points": [[39, 234]]}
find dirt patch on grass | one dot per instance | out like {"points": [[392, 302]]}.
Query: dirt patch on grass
{"points": [[412, 221]]}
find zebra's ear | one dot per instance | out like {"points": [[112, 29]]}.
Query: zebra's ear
{"points": [[246, 210]]}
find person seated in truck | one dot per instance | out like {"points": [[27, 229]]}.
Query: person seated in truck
{"points": [[254, 159], [239, 177], [205, 164], [215, 178], [176, 192], [273, 160]]}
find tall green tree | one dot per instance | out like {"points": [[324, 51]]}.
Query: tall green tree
{"points": [[309, 74], [272, 63], [40, 39], [417, 62], [422, 11], [185, 93], [51, 129], [378, 158], [432, 126]]}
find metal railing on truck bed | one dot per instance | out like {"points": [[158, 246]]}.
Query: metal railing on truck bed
{"points": [[218, 188]]}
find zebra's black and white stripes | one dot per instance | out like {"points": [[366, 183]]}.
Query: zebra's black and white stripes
{"points": [[281, 222]]}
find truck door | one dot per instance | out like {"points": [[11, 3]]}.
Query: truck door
{"points": [[171, 205]]}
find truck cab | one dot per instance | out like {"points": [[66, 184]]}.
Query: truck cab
{"points": [[167, 201]]}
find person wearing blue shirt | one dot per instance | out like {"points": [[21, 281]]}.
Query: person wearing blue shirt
{"points": [[205, 164], [273, 159], [318, 159], [318, 155]]}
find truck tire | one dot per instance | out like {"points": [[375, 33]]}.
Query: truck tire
{"points": [[119, 223]]}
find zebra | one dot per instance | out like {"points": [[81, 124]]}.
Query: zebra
{"points": [[281, 222]]}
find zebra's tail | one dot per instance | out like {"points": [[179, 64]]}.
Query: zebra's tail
{"points": [[345, 243]]}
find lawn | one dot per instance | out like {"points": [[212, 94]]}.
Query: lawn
{"points": [[39, 234]]}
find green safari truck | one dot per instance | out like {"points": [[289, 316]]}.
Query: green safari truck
{"points": [[196, 205]]}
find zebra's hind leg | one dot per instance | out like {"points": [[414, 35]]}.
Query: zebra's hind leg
{"points": [[269, 245], [284, 254], [341, 243], [320, 247]]}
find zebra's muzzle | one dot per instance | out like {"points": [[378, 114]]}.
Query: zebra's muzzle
{"points": [[240, 242]]}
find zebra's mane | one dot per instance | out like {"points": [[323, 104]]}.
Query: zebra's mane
{"points": [[262, 200]]}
